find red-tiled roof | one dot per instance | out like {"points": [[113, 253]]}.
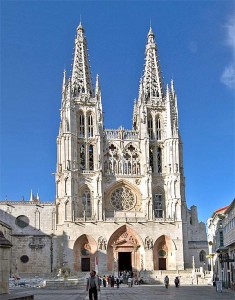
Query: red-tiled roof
{"points": [[220, 209]]}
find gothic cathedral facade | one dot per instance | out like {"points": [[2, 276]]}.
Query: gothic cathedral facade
{"points": [[120, 194]]}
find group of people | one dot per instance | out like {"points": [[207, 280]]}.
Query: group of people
{"points": [[94, 282], [176, 281]]}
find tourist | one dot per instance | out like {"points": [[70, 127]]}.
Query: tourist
{"points": [[93, 286], [112, 281], [166, 281], [177, 281], [117, 282], [104, 281]]}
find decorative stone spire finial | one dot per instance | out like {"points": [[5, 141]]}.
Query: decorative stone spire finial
{"points": [[152, 79], [81, 76]]}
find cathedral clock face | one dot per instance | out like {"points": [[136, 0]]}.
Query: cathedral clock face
{"points": [[123, 199]]}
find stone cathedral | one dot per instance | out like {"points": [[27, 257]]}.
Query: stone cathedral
{"points": [[120, 193]]}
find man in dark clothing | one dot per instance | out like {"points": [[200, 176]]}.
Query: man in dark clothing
{"points": [[93, 285]]}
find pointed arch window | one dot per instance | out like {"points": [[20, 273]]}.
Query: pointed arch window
{"points": [[65, 185], [66, 206], [82, 152], [150, 127], [86, 202], [159, 160], [91, 157], [37, 219], [151, 154], [66, 125], [158, 206], [90, 126], [158, 129], [81, 125], [202, 256]]}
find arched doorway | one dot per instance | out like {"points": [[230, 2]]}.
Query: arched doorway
{"points": [[164, 254], [84, 249], [123, 250]]}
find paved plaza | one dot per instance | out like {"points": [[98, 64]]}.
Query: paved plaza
{"points": [[142, 292]]}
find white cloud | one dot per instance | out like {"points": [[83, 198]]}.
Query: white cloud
{"points": [[228, 76]]}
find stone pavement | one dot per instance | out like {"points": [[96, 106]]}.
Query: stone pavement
{"points": [[142, 292]]}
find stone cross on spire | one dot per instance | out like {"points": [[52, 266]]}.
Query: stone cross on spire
{"points": [[81, 76], [152, 80]]}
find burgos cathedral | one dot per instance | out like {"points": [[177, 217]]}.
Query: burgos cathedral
{"points": [[120, 193]]}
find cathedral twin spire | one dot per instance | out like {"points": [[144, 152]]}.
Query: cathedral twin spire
{"points": [[151, 85], [81, 76]]}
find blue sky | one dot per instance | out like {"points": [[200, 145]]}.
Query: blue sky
{"points": [[196, 42]]}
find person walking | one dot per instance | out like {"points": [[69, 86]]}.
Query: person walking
{"points": [[177, 281], [93, 286], [166, 281], [104, 281], [112, 281], [117, 282]]}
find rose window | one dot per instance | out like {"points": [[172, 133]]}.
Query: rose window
{"points": [[123, 199]]}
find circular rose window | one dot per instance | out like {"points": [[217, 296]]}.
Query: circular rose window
{"points": [[123, 199], [22, 221]]}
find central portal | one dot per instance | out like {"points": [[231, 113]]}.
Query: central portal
{"points": [[124, 261]]}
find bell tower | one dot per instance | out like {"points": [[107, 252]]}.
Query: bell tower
{"points": [[155, 117], [79, 143]]}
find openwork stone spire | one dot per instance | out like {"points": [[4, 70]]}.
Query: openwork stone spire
{"points": [[81, 76], [152, 80]]}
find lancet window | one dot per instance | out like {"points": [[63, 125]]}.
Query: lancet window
{"points": [[150, 127], [90, 126], [82, 152], [86, 202], [159, 160], [202, 256], [91, 158], [158, 206], [81, 125], [158, 129]]}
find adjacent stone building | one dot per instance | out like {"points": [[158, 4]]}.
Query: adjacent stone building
{"points": [[120, 193]]}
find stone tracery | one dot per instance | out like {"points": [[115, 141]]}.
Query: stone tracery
{"points": [[124, 162], [123, 199]]}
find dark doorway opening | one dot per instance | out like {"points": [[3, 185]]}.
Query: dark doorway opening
{"points": [[124, 261], [162, 263], [85, 264]]}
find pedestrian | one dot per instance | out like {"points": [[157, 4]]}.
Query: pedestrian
{"points": [[177, 281], [112, 281], [117, 282], [129, 281], [104, 281], [93, 286], [166, 281]]}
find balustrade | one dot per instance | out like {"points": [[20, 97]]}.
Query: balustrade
{"points": [[115, 134]]}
